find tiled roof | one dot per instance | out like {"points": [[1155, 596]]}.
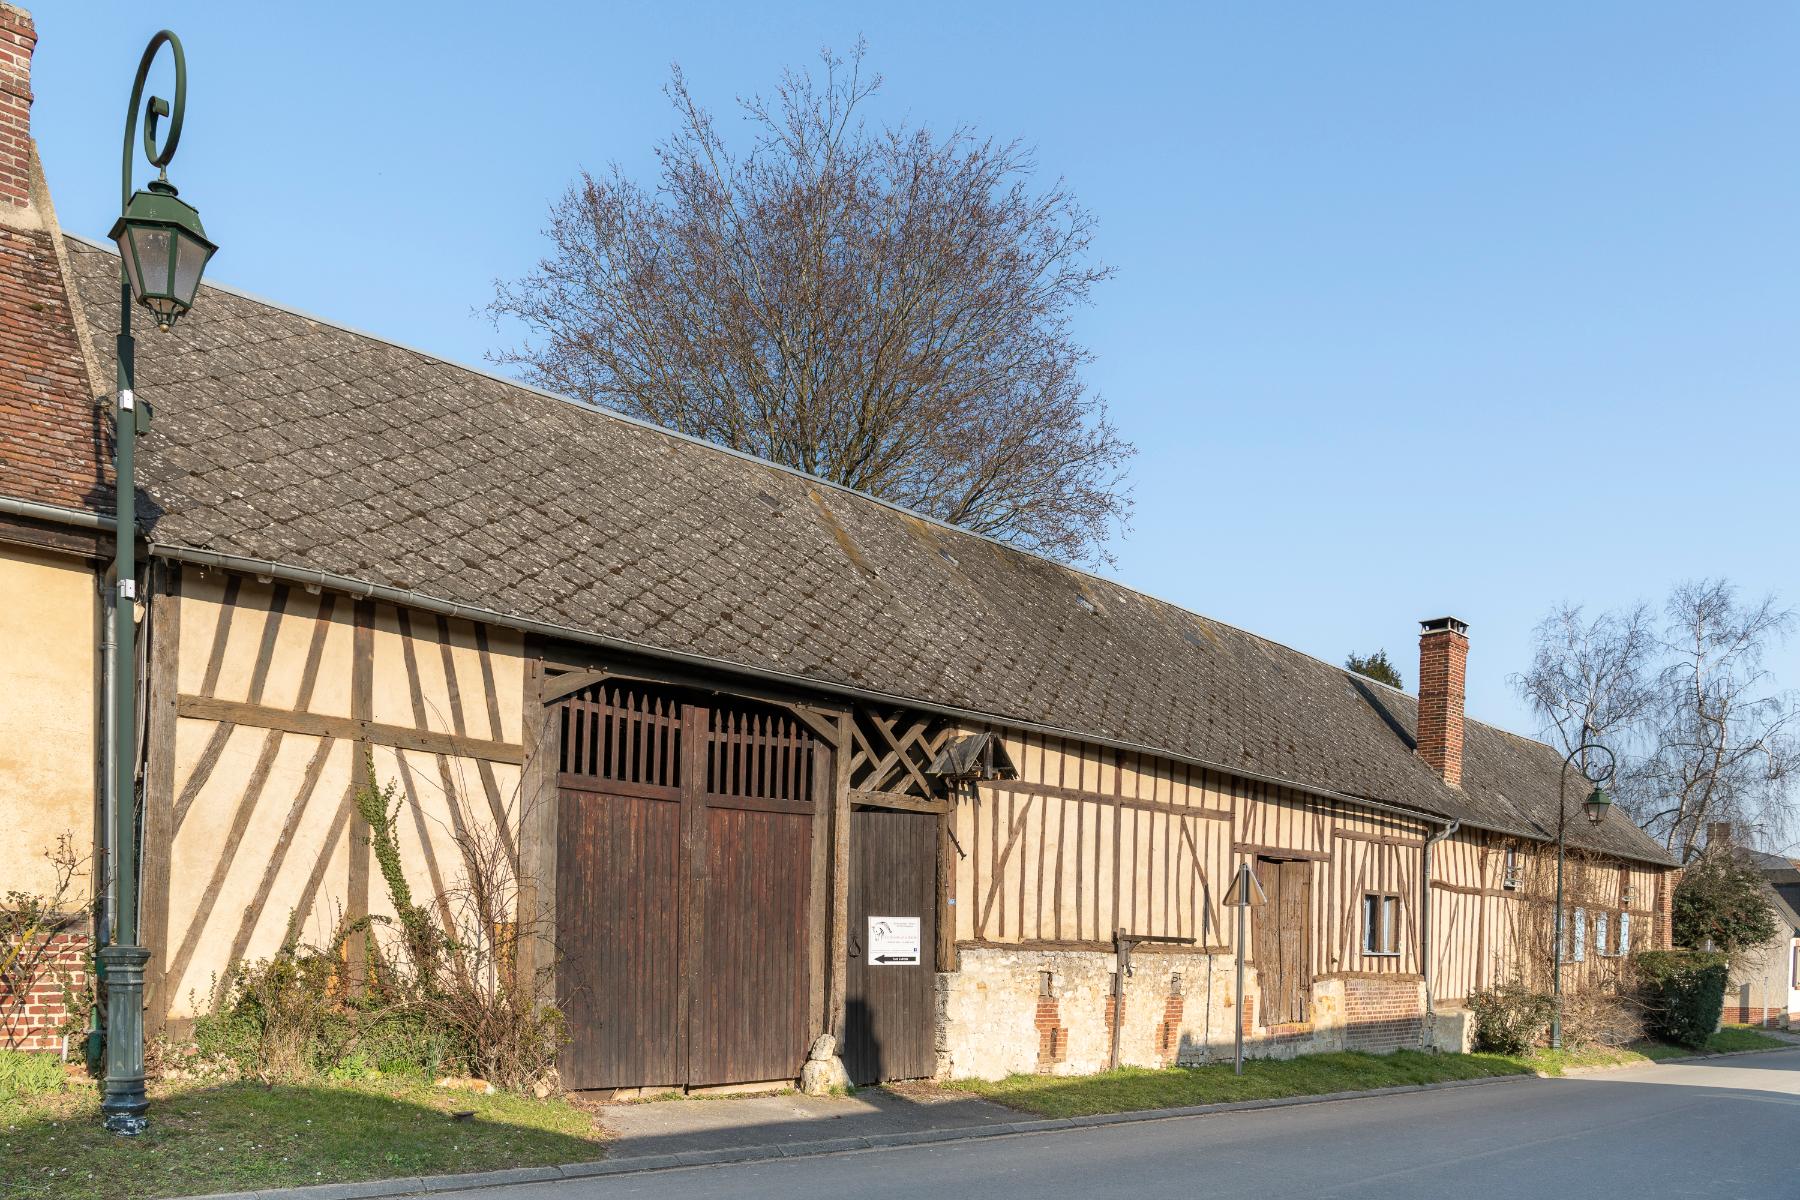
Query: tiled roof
{"points": [[285, 438], [54, 449]]}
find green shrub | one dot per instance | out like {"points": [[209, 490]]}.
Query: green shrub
{"points": [[1510, 1018], [23, 1075], [1683, 993]]}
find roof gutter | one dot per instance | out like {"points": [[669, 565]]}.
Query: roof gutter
{"points": [[311, 578]]}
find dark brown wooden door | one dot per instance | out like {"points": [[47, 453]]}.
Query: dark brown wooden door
{"points": [[889, 1006], [1280, 947], [683, 891]]}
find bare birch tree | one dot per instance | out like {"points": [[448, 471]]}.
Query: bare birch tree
{"points": [[1702, 732], [1591, 679], [1721, 736], [882, 307]]}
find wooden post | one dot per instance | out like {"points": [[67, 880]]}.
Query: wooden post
{"points": [[818, 909], [162, 687], [840, 880], [538, 815], [947, 956], [362, 709]]}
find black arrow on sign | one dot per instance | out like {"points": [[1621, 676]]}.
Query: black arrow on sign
{"points": [[897, 958]]}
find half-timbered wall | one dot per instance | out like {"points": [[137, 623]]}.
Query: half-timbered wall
{"points": [[1087, 842], [1490, 924], [269, 702]]}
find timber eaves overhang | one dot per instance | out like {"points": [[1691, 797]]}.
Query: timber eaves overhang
{"points": [[365, 589]]}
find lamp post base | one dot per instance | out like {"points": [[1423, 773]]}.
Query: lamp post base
{"points": [[123, 1101]]}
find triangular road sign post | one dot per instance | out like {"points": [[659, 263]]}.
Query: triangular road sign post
{"points": [[1246, 891]]}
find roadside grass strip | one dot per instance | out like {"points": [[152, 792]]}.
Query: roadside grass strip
{"points": [[244, 1135], [1130, 1089]]}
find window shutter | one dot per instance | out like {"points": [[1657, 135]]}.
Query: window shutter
{"points": [[1580, 954]]}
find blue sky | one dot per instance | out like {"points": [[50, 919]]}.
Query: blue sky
{"points": [[1420, 308]]}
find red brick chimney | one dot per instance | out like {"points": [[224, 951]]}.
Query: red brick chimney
{"points": [[18, 38], [1443, 669]]}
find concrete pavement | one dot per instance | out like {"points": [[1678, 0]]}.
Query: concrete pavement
{"points": [[1720, 1129]]}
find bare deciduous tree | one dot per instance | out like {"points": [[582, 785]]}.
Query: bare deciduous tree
{"points": [[1590, 679], [884, 308], [1721, 740], [1702, 733]]}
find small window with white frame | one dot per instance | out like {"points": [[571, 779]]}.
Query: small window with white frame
{"points": [[1601, 929], [1513, 875], [1624, 933], [1381, 925], [1578, 936]]}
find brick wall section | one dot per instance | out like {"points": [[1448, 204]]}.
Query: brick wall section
{"points": [[1382, 1015], [1737, 1014], [17, 41], [34, 1021], [1168, 1034], [1053, 1039], [1443, 671]]}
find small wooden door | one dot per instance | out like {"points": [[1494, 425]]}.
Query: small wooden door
{"points": [[889, 1006], [1280, 947], [684, 885]]}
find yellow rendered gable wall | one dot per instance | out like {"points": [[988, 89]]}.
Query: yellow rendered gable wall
{"points": [[47, 713]]}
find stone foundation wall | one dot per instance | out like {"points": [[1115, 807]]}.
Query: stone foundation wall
{"points": [[1029, 1011]]}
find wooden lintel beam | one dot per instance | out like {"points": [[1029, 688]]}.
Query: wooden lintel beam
{"points": [[1280, 852], [262, 716], [875, 799]]}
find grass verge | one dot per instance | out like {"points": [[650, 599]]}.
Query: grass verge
{"points": [[243, 1136], [1134, 1088], [1728, 1040]]}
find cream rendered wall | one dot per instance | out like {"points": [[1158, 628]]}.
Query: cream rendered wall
{"points": [[48, 711], [266, 836]]}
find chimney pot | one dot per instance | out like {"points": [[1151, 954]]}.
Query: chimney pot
{"points": [[1443, 669]]}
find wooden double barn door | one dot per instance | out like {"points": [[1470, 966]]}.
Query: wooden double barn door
{"points": [[1280, 941], [684, 889]]}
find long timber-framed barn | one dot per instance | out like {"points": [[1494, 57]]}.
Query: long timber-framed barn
{"points": [[771, 758]]}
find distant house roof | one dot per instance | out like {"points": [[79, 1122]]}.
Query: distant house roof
{"points": [[282, 437], [1783, 875]]}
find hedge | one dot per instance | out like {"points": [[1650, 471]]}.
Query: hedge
{"points": [[1684, 993]]}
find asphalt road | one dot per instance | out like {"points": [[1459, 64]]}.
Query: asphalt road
{"points": [[1722, 1129]]}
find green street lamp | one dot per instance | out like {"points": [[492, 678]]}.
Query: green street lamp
{"points": [[162, 251], [1595, 808]]}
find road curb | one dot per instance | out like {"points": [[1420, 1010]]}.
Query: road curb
{"points": [[383, 1189]]}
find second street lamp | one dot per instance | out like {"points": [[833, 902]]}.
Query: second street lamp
{"points": [[1595, 806]]}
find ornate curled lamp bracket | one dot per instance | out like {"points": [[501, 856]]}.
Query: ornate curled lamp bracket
{"points": [[1599, 776], [155, 109]]}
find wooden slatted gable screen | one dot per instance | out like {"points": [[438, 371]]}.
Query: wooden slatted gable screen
{"points": [[621, 735], [759, 756]]}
